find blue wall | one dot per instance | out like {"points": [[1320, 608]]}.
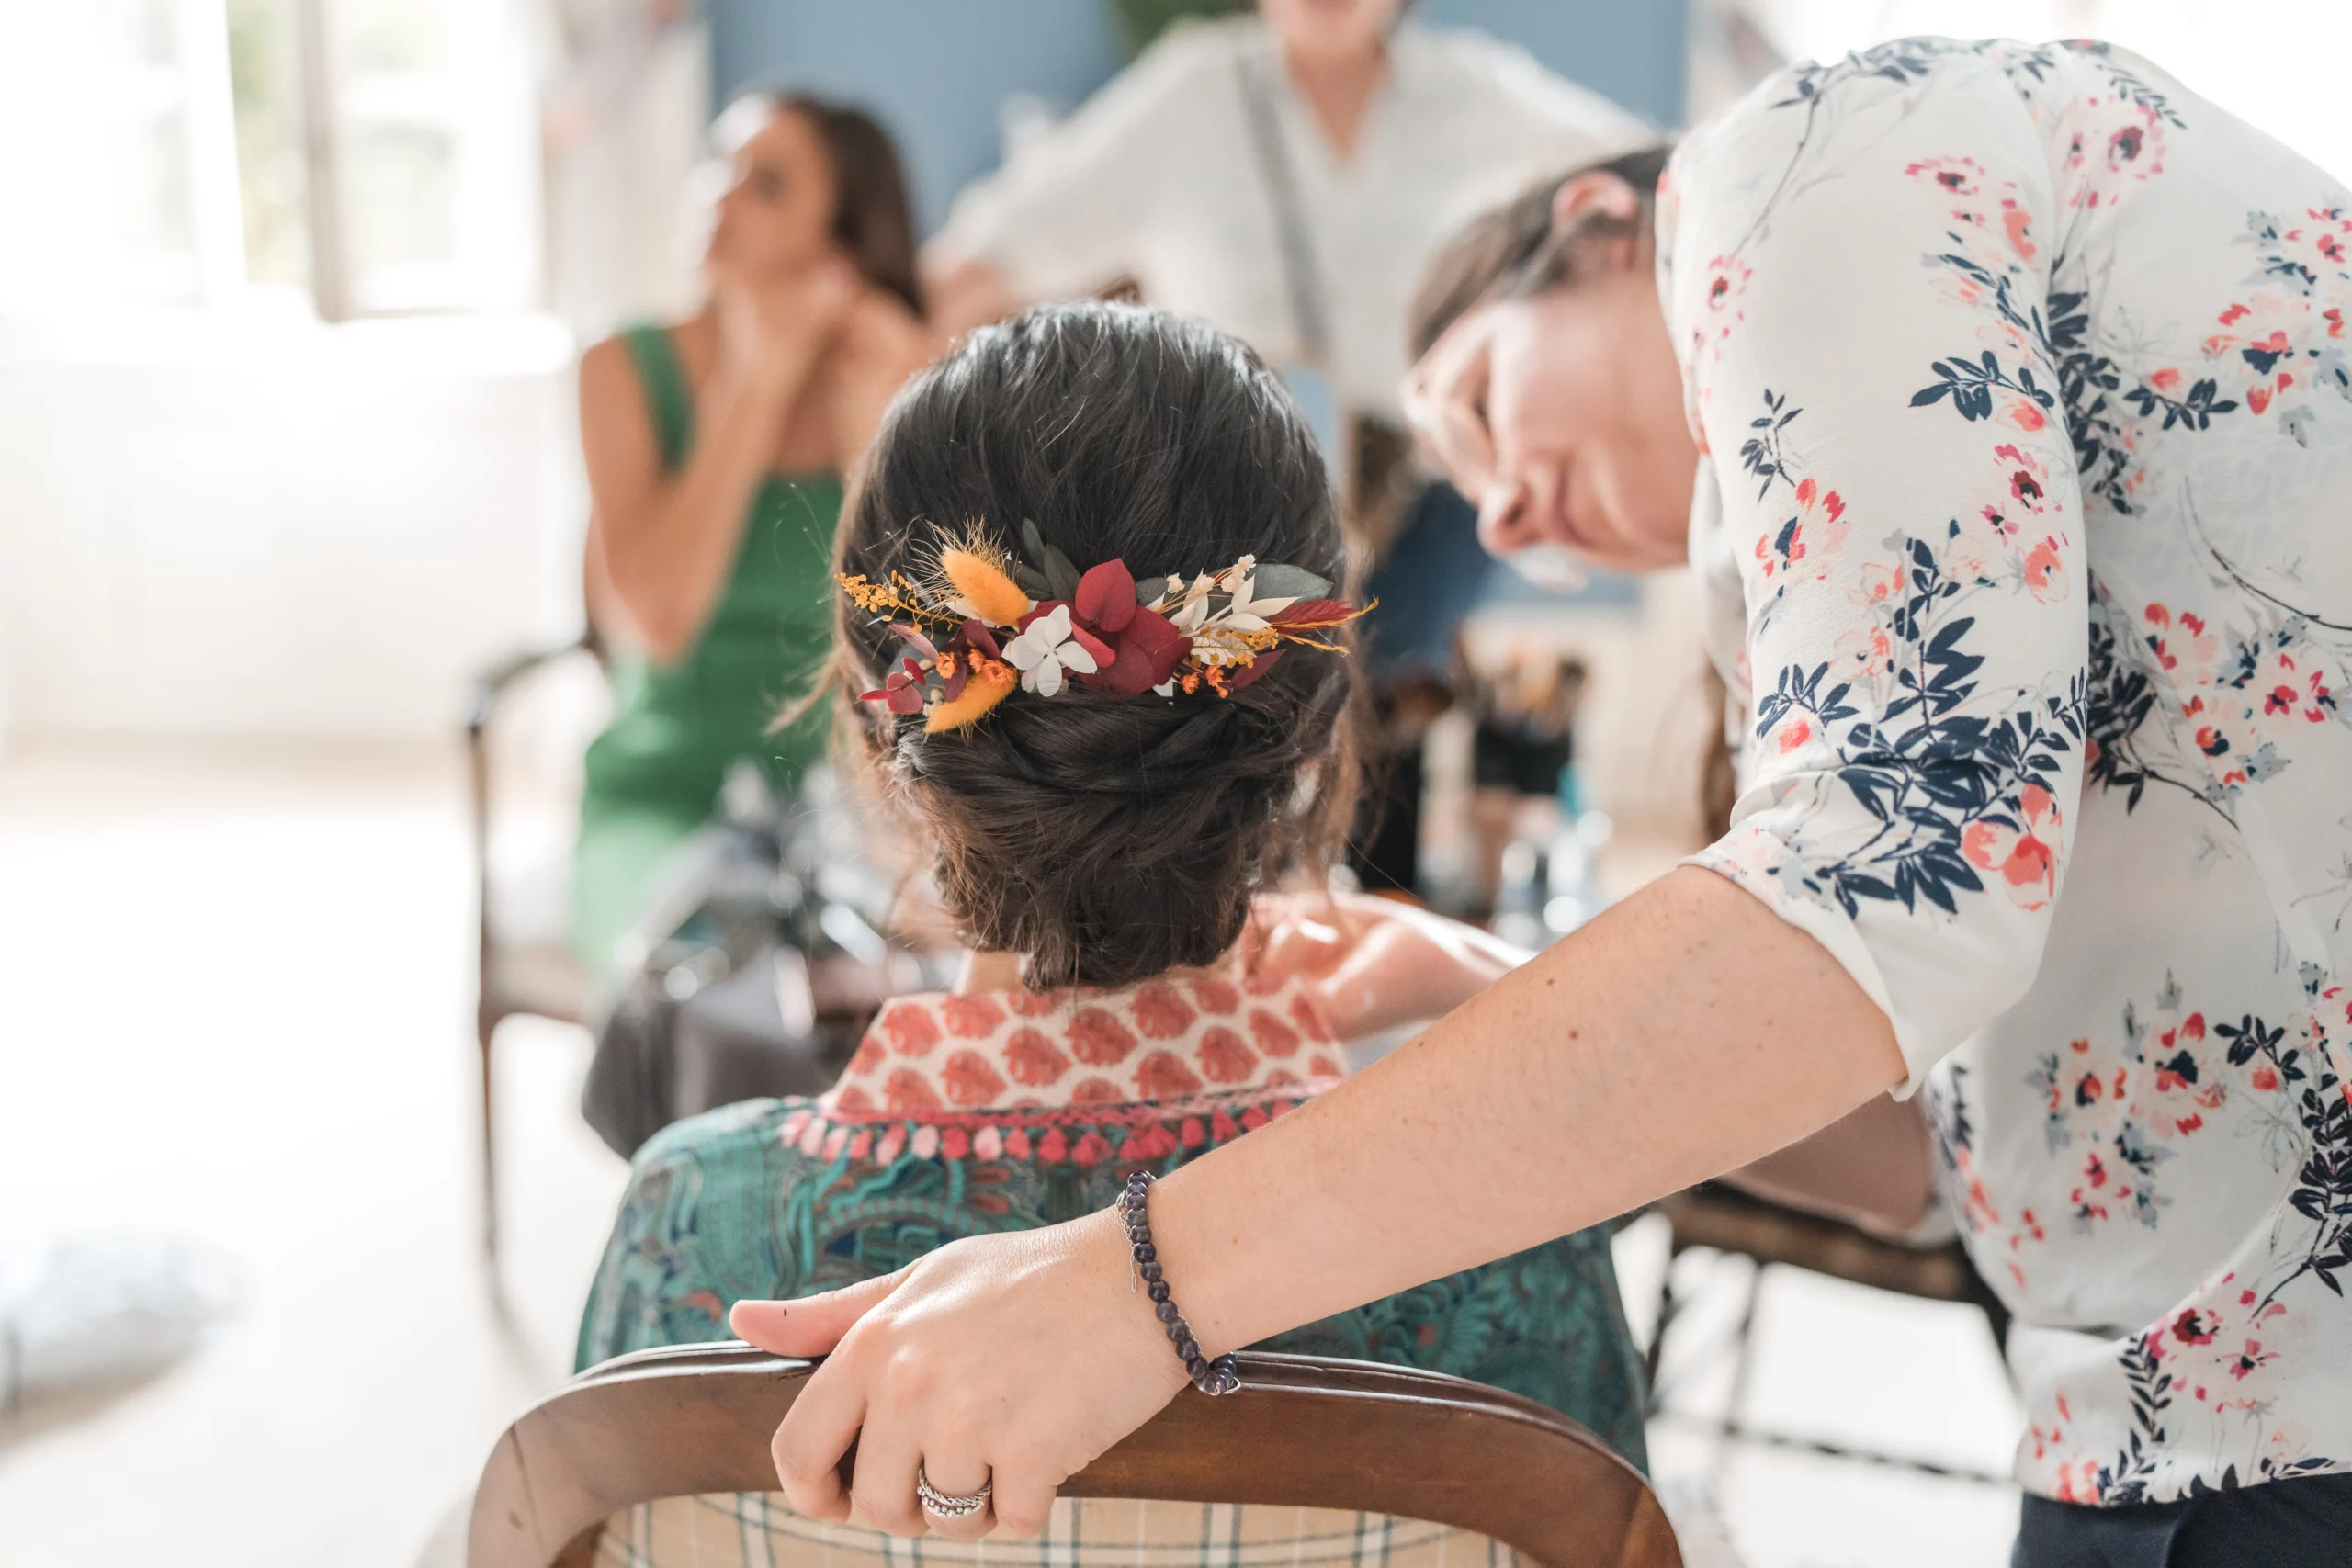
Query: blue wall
{"points": [[936, 70]]}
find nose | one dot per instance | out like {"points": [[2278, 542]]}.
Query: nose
{"points": [[1507, 520]]}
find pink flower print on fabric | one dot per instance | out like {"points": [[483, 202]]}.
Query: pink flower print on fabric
{"points": [[1098, 1038], [1964, 178], [1810, 537], [1220, 997], [912, 1030], [1864, 651], [1720, 297], [1032, 1059], [1163, 1075], [972, 1079], [1225, 1057], [2044, 571], [1272, 1036], [970, 1017], [1160, 1040], [2024, 859], [911, 1092], [1161, 1011], [2184, 645]]}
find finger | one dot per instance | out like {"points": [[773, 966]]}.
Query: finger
{"points": [[882, 1491], [1021, 1504], [811, 1326], [1300, 945], [816, 1432]]}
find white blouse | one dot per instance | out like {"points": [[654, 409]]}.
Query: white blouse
{"points": [[2028, 521], [1157, 178]]}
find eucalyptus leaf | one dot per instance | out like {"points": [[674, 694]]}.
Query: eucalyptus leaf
{"points": [[1033, 582], [1279, 581], [1060, 575], [1032, 541]]}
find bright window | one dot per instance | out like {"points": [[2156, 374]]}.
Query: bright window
{"points": [[377, 154]]}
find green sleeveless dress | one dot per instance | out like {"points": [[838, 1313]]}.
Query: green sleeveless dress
{"points": [[653, 776]]}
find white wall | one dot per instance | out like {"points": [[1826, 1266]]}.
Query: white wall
{"points": [[2277, 64], [213, 524]]}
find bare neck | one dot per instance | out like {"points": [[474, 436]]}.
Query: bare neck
{"points": [[1339, 90], [989, 972]]}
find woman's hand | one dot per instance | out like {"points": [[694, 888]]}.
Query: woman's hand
{"points": [[1012, 1359], [1374, 964], [772, 331]]}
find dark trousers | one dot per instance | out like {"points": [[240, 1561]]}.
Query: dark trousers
{"points": [[2301, 1523]]}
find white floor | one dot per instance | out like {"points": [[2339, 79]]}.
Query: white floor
{"points": [[235, 1005]]}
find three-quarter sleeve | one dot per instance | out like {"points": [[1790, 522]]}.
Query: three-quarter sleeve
{"points": [[1863, 313]]}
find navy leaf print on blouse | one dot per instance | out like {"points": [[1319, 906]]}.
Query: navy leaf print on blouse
{"points": [[1969, 385], [1925, 770]]}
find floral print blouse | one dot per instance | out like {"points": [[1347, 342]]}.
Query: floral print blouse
{"points": [[2025, 534]]}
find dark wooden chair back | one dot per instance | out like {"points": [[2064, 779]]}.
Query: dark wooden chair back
{"points": [[1302, 1432]]}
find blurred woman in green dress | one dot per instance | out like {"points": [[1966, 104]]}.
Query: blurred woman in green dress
{"points": [[715, 451]]}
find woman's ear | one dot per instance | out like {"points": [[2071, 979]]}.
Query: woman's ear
{"points": [[1596, 194], [1601, 206]]}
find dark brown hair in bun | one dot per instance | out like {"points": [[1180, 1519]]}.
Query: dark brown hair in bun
{"points": [[1106, 837]]}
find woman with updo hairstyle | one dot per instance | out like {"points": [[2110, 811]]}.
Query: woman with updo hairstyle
{"points": [[1137, 993]]}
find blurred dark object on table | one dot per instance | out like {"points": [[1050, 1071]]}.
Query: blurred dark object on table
{"points": [[1522, 751], [1424, 581], [757, 969]]}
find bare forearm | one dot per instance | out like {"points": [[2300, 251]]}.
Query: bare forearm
{"points": [[1687, 1031], [668, 564]]}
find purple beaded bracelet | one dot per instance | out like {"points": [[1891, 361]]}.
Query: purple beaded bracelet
{"points": [[1211, 1377]]}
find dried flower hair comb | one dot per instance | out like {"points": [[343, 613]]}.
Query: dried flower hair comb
{"points": [[1221, 631]]}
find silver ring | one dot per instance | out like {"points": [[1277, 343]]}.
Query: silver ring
{"points": [[950, 1504]]}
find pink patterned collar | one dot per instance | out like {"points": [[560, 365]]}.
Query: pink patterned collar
{"points": [[1163, 1040]]}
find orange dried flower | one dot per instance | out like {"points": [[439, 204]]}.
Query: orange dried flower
{"points": [[984, 585], [978, 698]]}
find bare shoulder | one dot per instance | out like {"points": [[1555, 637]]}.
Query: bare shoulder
{"points": [[617, 433], [607, 378]]}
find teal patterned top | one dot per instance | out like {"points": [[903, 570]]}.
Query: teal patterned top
{"points": [[917, 1147]]}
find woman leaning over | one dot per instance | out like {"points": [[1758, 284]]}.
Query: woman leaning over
{"points": [[2009, 385], [715, 448]]}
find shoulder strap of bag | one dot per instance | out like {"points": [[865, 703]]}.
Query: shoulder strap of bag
{"points": [[1299, 272]]}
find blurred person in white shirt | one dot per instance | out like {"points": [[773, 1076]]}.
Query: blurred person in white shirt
{"points": [[1328, 126]]}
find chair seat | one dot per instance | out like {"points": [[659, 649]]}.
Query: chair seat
{"points": [[741, 1529]]}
